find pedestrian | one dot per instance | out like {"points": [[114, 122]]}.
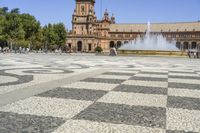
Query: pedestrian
{"points": [[198, 54], [27, 50], [20, 49], [60, 51], [0, 49], [189, 54], [115, 51]]}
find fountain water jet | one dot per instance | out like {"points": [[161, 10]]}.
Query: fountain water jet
{"points": [[151, 44]]}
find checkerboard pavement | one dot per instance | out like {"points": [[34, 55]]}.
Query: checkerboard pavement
{"points": [[118, 101]]}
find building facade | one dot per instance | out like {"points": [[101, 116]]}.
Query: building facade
{"points": [[88, 32]]}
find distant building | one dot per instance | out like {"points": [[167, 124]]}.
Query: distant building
{"points": [[88, 32]]}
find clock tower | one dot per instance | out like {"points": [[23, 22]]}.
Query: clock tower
{"points": [[84, 18]]}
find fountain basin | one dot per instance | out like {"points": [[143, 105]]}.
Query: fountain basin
{"points": [[153, 53]]}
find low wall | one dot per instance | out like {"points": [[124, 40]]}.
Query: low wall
{"points": [[152, 53]]}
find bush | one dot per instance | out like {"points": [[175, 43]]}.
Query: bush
{"points": [[98, 49]]}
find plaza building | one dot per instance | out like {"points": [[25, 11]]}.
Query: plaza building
{"points": [[88, 32]]}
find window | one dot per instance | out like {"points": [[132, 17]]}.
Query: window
{"points": [[127, 35], [112, 35], [120, 35], [82, 9]]}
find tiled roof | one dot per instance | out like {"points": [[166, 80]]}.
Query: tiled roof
{"points": [[156, 27]]}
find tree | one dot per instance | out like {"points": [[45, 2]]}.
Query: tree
{"points": [[24, 29], [15, 11], [32, 29], [61, 34], [13, 29], [54, 35]]}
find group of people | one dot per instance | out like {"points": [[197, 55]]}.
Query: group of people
{"points": [[194, 54], [21, 50], [4, 50]]}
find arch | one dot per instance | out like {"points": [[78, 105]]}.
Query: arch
{"points": [[119, 44], [185, 46], [89, 47], [178, 45], [125, 42], [112, 44], [79, 46], [70, 45], [194, 45]]}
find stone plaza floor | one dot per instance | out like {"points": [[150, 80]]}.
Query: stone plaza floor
{"points": [[82, 93]]}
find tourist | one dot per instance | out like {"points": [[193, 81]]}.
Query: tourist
{"points": [[113, 52], [27, 50], [189, 53], [60, 51], [20, 49]]}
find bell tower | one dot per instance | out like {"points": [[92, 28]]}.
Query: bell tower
{"points": [[83, 18]]}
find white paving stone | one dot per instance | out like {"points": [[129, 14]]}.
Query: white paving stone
{"points": [[113, 77], [91, 86], [182, 119], [186, 81], [155, 70], [83, 126], [184, 74], [6, 79], [146, 83], [47, 107], [135, 99], [184, 92], [124, 71]]}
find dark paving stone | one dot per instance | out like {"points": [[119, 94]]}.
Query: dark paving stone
{"points": [[148, 79], [184, 77], [119, 73], [159, 73], [78, 94], [125, 114], [17, 123], [47, 71], [183, 102], [184, 86], [99, 80], [21, 79], [141, 89], [170, 131]]}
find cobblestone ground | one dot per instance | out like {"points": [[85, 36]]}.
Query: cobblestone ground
{"points": [[95, 94]]}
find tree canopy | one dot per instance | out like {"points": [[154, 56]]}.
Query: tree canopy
{"points": [[25, 30]]}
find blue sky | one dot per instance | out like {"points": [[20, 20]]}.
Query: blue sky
{"points": [[126, 11]]}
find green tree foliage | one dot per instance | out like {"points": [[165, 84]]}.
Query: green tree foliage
{"points": [[24, 30], [54, 35]]}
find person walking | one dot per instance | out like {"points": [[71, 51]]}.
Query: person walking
{"points": [[20, 49]]}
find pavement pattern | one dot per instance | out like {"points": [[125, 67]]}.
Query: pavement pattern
{"points": [[131, 95]]}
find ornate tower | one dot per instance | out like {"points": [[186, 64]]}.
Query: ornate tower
{"points": [[83, 18]]}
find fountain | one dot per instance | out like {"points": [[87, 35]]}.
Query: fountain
{"points": [[151, 44]]}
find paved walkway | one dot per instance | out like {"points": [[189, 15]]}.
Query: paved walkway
{"points": [[89, 94]]}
